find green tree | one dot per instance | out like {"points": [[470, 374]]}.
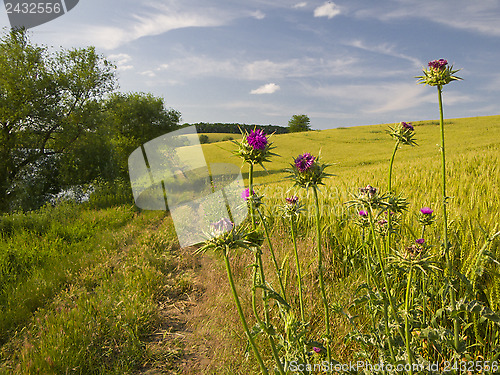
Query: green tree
{"points": [[47, 101], [299, 123], [126, 122], [134, 119]]}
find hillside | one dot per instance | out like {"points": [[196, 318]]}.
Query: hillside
{"points": [[369, 145]]}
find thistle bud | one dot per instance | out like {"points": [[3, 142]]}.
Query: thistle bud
{"points": [[438, 73]]}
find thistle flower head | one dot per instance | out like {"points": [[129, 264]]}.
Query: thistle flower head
{"points": [[407, 125], [438, 64], [256, 199], [361, 219], [316, 350], [257, 139], [245, 194], [438, 73], [426, 217], [307, 171], [224, 236], [403, 133], [413, 251], [368, 197], [415, 255], [368, 191], [222, 226], [254, 148], [382, 228], [292, 206], [304, 162]]}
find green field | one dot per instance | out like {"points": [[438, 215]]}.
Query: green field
{"points": [[90, 291]]}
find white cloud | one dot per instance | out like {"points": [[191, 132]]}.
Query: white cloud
{"points": [[148, 73], [121, 60], [300, 5], [269, 88], [151, 19], [385, 49], [163, 67], [164, 19], [328, 9]]}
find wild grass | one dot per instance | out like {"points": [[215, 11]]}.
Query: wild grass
{"points": [[82, 289]]}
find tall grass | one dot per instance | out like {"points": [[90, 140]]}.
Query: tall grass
{"points": [[82, 289]]}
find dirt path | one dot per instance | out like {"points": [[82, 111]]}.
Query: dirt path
{"points": [[173, 347]]}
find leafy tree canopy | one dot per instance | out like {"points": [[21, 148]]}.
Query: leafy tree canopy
{"points": [[299, 123], [47, 101]]}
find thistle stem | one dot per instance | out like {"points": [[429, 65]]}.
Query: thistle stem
{"points": [[389, 184], [449, 263], [250, 196], [389, 188], [267, 328], [258, 267], [257, 250], [386, 297], [384, 275], [407, 320], [271, 249], [242, 316], [320, 274], [424, 288], [299, 275]]}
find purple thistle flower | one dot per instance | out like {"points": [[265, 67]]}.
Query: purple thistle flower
{"points": [[316, 350], [407, 125], [363, 213], [438, 64], [304, 162], [257, 139], [222, 226], [245, 194], [426, 210], [420, 241], [292, 200], [368, 190]]}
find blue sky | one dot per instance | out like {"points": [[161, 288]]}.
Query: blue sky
{"points": [[342, 63]]}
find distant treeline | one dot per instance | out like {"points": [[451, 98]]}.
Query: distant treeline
{"points": [[203, 127]]}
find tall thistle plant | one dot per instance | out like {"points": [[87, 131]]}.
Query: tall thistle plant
{"points": [[225, 240], [438, 74], [308, 172], [255, 148]]}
